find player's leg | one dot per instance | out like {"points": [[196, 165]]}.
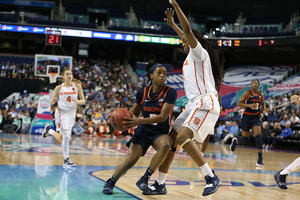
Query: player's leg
{"points": [[48, 131], [246, 126], [280, 177], [258, 140], [185, 139], [134, 153], [159, 186], [162, 144]]}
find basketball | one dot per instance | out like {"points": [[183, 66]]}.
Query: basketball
{"points": [[117, 118]]}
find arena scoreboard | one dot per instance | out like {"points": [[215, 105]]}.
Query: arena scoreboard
{"points": [[256, 42]]}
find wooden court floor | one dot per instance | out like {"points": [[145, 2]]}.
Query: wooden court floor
{"points": [[31, 168]]}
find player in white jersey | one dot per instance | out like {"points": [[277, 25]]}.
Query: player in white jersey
{"points": [[203, 72], [67, 95], [280, 177]]}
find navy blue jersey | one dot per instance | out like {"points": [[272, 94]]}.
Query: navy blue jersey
{"points": [[152, 104], [253, 99]]}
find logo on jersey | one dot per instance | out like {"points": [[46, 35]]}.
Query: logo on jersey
{"points": [[68, 93]]}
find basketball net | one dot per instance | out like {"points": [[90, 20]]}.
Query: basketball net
{"points": [[52, 77]]}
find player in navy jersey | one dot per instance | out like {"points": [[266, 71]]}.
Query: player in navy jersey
{"points": [[253, 102], [154, 103]]}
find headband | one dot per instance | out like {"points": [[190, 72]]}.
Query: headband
{"points": [[154, 67], [256, 80]]}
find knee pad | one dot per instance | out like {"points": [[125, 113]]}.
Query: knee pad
{"points": [[173, 149], [258, 141], [243, 140]]}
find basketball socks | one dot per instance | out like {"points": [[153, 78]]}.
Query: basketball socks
{"points": [[51, 131], [258, 141], [292, 167], [65, 144], [206, 170], [161, 179], [148, 173]]}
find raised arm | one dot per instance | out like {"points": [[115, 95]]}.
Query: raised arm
{"points": [[170, 21], [185, 25]]}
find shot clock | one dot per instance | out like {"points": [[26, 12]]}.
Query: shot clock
{"points": [[53, 37]]}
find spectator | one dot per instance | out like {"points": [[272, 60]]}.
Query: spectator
{"points": [[16, 124], [79, 129], [233, 132], [218, 134], [26, 121], [284, 121], [274, 133], [226, 129], [286, 133], [1, 120], [27, 100], [294, 118], [265, 134]]}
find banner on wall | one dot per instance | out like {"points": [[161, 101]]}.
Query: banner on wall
{"points": [[43, 116]]}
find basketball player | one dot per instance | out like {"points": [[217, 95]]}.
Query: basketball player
{"points": [[68, 95], [202, 72], [280, 177], [155, 102], [253, 102]]}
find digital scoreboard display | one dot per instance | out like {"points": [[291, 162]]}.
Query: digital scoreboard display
{"points": [[53, 37]]}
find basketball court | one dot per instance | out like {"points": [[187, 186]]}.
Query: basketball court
{"points": [[31, 168]]}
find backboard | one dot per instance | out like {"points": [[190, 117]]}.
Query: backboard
{"points": [[46, 64]]}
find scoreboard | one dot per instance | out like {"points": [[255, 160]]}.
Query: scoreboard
{"points": [[256, 42]]}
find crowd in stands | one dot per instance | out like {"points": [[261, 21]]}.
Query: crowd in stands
{"points": [[276, 133], [107, 86]]}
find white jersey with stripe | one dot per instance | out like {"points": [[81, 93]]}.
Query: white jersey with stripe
{"points": [[66, 94], [197, 73]]}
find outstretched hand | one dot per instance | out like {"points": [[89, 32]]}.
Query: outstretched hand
{"points": [[169, 16]]}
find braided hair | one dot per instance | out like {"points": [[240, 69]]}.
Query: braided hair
{"points": [[149, 68], [217, 58]]}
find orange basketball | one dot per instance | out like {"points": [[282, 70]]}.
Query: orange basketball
{"points": [[117, 118]]}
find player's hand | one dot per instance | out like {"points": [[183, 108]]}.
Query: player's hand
{"points": [[132, 122], [295, 98], [254, 106], [169, 16], [108, 118]]}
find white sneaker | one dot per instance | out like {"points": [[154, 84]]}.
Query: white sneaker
{"points": [[46, 130], [68, 163]]}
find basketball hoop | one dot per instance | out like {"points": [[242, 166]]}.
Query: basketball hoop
{"points": [[52, 77]]}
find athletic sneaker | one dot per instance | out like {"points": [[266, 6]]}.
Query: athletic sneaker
{"points": [[68, 163], [281, 180], [212, 185], [233, 144], [142, 184], [109, 186], [259, 162], [156, 189], [46, 130]]}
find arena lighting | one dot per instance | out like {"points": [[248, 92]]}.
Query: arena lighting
{"points": [[221, 42], [89, 34]]}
